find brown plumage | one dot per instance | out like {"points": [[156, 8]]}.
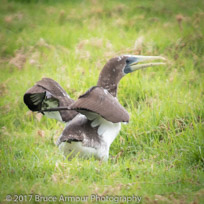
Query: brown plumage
{"points": [[100, 101], [36, 95], [80, 130], [111, 74]]}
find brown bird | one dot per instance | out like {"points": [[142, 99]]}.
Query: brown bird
{"points": [[94, 120]]}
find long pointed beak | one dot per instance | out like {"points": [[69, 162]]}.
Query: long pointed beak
{"points": [[136, 63]]}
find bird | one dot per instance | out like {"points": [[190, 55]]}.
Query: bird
{"points": [[93, 121]]}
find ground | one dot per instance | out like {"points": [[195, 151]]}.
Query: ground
{"points": [[159, 155]]}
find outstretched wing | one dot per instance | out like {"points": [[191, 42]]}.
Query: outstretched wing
{"points": [[99, 101], [46, 94], [102, 111]]}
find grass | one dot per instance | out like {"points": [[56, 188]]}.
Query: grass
{"points": [[159, 155]]}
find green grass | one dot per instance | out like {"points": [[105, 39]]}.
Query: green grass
{"points": [[159, 155]]}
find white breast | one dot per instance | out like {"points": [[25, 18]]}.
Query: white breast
{"points": [[107, 131]]}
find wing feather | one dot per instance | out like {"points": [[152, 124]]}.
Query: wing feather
{"points": [[101, 102], [47, 93]]}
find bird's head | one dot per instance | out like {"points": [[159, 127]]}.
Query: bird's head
{"points": [[118, 67]]}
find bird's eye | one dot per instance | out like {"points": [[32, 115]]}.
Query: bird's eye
{"points": [[127, 61]]}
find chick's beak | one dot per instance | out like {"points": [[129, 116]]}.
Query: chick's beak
{"points": [[137, 62]]}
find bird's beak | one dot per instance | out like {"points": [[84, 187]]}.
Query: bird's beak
{"points": [[136, 62]]}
